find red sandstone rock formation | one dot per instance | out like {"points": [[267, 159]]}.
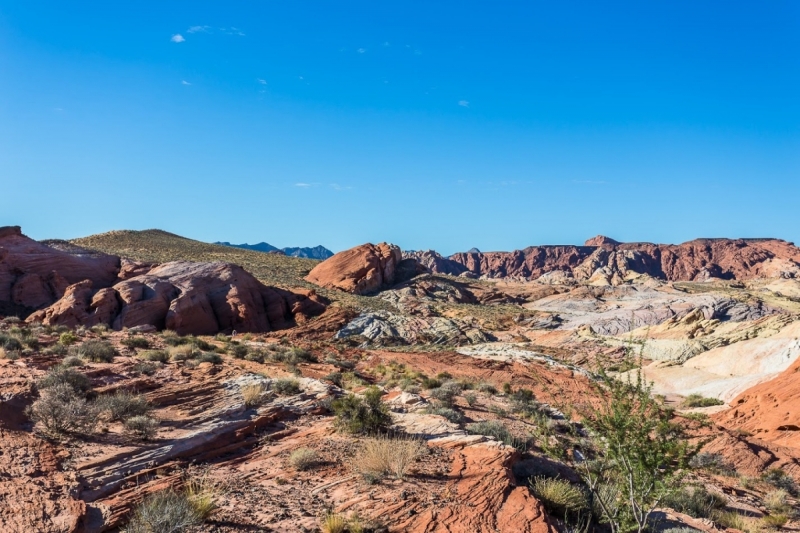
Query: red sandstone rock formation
{"points": [[364, 269], [34, 275], [696, 260], [73, 287], [190, 298]]}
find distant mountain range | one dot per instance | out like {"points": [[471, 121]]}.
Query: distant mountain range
{"points": [[317, 252]]}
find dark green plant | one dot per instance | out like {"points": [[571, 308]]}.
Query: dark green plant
{"points": [[367, 415], [61, 374], [94, 350], [135, 342], [636, 449]]}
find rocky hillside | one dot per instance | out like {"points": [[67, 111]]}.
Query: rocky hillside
{"points": [[604, 259], [75, 287]]}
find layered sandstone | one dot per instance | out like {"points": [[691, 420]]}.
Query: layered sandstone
{"points": [[72, 287], [605, 261], [365, 269]]}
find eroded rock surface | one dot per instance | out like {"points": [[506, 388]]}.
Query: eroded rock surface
{"points": [[365, 269]]}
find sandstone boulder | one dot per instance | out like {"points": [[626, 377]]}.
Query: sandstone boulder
{"points": [[34, 275], [365, 269], [190, 298]]}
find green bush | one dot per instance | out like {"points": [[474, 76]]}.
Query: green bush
{"points": [[286, 387], [367, 415], [142, 426], [497, 430], [780, 479], [64, 375], [135, 342], [559, 496], [454, 416], [695, 501], [446, 393], [160, 356], [238, 351], [60, 409], [696, 400], [10, 344], [123, 405], [164, 512], [209, 357], [171, 338], [96, 351]]}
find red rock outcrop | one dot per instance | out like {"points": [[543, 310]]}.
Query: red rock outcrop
{"points": [[697, 260], [190, 298], [34, 275], [770, 411], [364, 269]]}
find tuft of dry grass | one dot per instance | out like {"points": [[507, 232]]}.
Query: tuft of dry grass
{"points": [[384, 455], [303, 458], [333, 523], [202, 496], [252, 394]]}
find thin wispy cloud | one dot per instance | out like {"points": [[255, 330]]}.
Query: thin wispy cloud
{"points": [[177, 38], [337, 187], [386, 43], [463, 103], [361, 50], [199, 29], [590, 182], [184, 82], [232, 31], [262, 82], [302, 185]]}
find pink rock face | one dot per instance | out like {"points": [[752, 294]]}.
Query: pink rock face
{"points": [[35, 275], [740, 259], [365, 269], [189, 298]]}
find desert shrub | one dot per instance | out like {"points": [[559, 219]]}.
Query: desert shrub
{"points": [[335, 378], [59, 375], [776, 501], [291, 356], [148, 368], [365, 415], [471, 399], [11, 355], [60, 409], [696, 400], [713, 462], [303, 458], [209, 357], [695, 501], [10, 344], [684, 529], [446, 394], [333, 523], [733, 520], [56, 349], [181, 352], [99, 329], [123, 405], [497, 430], [635, 447], [454, 416], [559, 496], [428, 383], [286, 386], [199, 344], [202, 496], [135, 342], [143, 426], [239, 351], [252, 394], [164, 511], [384, 456], [507, 388], [486, 387], [171, 338], [524, 402], [775, 521], [72, 361], [160, 356], [94, 350], [256, 356], [780, 479], [31, 341]]}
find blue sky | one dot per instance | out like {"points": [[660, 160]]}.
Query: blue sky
{"points": [[442, 125]]}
